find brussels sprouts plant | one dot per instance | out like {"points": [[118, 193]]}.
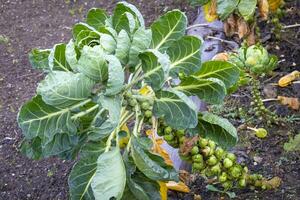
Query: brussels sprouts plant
{"points": [[255, 61], [116, 72]]}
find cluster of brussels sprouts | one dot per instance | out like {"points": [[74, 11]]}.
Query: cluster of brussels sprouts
{"points": [[131, 99], [173, 137], [212, 161], [258, 106], [276, 23]]}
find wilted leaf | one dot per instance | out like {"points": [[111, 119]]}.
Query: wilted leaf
{"points": [[251, 39], [243, 28], [221, 56], [274, 4], [287, 79], [163, 190], [290, 102], [180, 187], [273, 183], [210, 11], [187, 145], [263, 7]]}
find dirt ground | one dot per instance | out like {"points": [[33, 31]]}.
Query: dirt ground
{"points": [[40, 23]]}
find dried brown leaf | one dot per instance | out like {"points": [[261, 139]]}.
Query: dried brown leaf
{"points": [[289, 78], [263, 7], [221, 56], [290, 102], [187, 145], [243, 28]]}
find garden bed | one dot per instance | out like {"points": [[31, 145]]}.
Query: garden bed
{"points": [[30, 24]]}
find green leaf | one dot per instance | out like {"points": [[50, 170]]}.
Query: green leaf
{"points": [[218, 129], [77, 28], [226, 7], [84, 170], [177, 109], [185, 55], [72, 55], [116, 76], [57, 58], [32, 148], [212, 188], [87, 37], [125, 22], [168, 28], [127, 16], [198, 2], [225, 71], [151, 165], [293, 144], [108, 43], [210, 90], [140, 42], [96, 18], [63, 89], [247, 8], [123, 47], [103, 127], [110, 177], [39, 119], [155, 66], [38, 58], [92, 63]]}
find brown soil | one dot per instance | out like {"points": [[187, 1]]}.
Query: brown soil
{"points": [[41, 23]]}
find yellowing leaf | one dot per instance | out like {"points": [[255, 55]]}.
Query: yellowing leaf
{"points": [[263, 7], [274, 4], [145, 90], [273, 183], [221, 56], [163, 190], [180, 187], [210, 11], [287, 79], [125, 128], [290, 102]]}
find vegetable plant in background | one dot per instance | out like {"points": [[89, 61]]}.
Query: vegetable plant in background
{"points": [[113, 74], [255, 61]]}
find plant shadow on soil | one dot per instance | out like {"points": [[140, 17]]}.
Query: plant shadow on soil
{"points": [[39, 23]]}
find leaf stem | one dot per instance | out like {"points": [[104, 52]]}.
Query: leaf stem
{"points": [[80, 114]]}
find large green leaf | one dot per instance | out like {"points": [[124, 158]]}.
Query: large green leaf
{"points": [[177, 109], [87, 37], [108, 43], [116, 76], [57, 58], [32, 148], [225, 71], [218, 129], [77, 28], [210, 90], [151, 165], [39, 119], [96, 18], [155, 66], [92, 63], [38, 58], [141, 41], [84, 170], [198, 2], [125, 10], [247, 8], [63, 89], [104, 123], [185, 55], [110, 178], [167, 29], [226, 7], [123, 47]]}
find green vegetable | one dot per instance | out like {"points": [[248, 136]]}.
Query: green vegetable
{"points": [[168, 130], [195, 150], [227, 163], [212, 160], [198, 158], [231, 156]]}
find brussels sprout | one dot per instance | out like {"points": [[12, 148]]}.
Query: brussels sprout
{"points": [[195, 150], [223, 177], [216, 169], [212, 160], [198, 158], [231, 156], [168, 138], [206, 151], [197, 166], [227, 185], [203, 142], [132, 102], [145, 105], [242, 182], [168, 130], [227, 163], [180, 133], [211, 144], [235, 172], [219, 153], [148, 113]]}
